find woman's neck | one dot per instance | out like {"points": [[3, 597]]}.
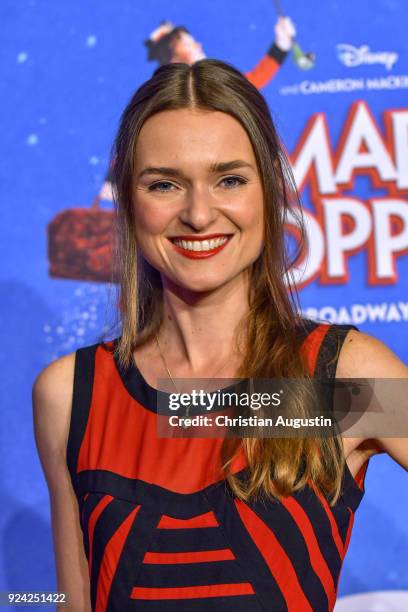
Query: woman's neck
{"points": [[198, 329]]}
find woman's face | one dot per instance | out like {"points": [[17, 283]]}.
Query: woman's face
{"points": [[197, 197]]}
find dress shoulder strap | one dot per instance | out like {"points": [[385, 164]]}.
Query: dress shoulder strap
{"points": [[329, 351], [322, 343], [84, 373]]}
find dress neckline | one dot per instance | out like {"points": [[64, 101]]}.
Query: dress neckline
{"points": [[140, 390], [135, 384]]}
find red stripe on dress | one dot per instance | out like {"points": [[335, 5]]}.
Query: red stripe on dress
{"points": [[203, 520], [96, 512], [359, 477], [333, 523], [200, 556], [349, 530], [312, 343], [316, 558], [193, 592], [110, 559], [276, 559], [346, 543]]}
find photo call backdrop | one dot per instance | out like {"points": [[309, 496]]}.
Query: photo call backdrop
{"points": [[339, 100]]}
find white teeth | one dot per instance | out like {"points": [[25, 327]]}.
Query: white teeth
{"points": [[200, 245]]}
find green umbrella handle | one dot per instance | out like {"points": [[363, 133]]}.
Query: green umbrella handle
{"points": [[305, 61]]}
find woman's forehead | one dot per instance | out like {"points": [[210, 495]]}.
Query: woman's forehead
{"points": [[185, 131]]}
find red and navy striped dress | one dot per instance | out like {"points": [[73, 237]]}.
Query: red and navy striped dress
{"points": [[161, 529]]}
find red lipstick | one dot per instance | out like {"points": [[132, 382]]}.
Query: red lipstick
{"points": [[199, 254]]}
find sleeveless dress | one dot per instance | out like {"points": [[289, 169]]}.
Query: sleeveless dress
{"points": [[161, 528]]}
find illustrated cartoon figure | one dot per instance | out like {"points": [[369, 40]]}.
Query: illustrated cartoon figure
{"points": [[169, 43]]}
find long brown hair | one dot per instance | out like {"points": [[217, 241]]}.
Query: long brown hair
{"points": [[273, 344]]}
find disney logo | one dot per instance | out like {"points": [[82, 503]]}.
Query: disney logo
{"points": [[355, 56]]}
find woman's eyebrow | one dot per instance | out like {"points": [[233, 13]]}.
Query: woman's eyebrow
{"points": [[214, 168]]}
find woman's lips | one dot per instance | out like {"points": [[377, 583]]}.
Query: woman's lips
{"points": [[190, 254]]}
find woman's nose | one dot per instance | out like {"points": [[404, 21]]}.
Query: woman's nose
{"points": [[198, 210]]}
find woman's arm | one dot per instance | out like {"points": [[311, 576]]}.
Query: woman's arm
{"points": [[52, 400], [363, 356]]}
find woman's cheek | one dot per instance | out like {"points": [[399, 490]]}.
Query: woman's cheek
{"points": [[151, 219]]}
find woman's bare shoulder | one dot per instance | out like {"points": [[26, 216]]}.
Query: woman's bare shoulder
{"points": [[54, 383], [52, 393], [364, 356]]}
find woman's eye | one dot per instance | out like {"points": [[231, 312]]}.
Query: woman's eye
{"points": [[155, 185], [232, 181], [240, 180]]}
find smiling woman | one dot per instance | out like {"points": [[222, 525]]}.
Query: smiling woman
{"points": [[187, 205], [202, 191]]}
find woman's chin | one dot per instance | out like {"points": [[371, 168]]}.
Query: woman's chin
{"points": [[199, 285]]}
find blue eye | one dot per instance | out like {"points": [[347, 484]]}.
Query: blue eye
{"points": [[153, 187], [240, 180]]}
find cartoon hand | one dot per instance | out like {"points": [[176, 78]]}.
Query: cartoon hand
{"points": [[285, 32]]}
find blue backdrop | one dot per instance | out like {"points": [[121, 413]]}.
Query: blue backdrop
{"points": [[69, 68]]}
